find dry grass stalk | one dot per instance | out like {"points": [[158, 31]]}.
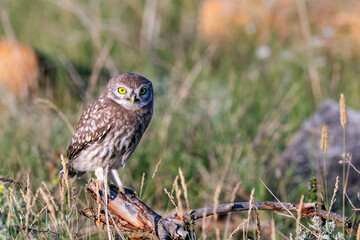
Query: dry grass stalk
{"points": [[173, 186], [65, 181], [52, 106], [142, 184], [241, 225], [358, 233], [51, 197], [343, 113], [232, 199], [343, 121], [27, 199], [178, 199], [36, 217], [156, 168], [17, 204], [273, 231], [287, 210], [333, 199], [98, 199], [251, 202], [50, 207], [324, 138], [299, 213], [258, 224], [347, 159], [351, 203], [216, 204], [172, 200], [203, 226], [64, 187], [11, 213], [105, 186], [184, 187], [122, 236], [324, 145], [36, 198]]}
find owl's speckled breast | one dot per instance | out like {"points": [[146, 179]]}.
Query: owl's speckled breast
{"points": [[116, 147]]}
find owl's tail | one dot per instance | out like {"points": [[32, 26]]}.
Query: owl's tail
{"points": [[71, 172]]}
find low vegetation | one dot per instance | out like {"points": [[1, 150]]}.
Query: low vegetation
{"points": [[225, 109]]}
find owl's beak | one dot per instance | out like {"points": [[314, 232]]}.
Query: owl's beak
{"points": [[132, 99]]}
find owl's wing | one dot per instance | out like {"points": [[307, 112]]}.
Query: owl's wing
{"points": [[94, 124]]}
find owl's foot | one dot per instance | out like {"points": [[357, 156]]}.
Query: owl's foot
{"points": [[131, 191], [124, 190], [100, 187]]}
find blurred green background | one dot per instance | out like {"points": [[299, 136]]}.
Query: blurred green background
{"points": [[233, 81]]}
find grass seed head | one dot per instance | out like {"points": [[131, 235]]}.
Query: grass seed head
{"points": [[324, 138], [343, 114]]}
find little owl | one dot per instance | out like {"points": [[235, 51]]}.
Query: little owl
{"points": [[110, 128]]}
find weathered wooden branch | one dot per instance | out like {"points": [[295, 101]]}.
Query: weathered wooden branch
{"points": [[133, 216]]}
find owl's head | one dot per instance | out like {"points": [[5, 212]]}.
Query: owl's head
{"points": [[130, 90]]}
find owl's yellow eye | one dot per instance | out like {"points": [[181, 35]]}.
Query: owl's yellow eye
{"points": [[122, 90], [142, 91]]}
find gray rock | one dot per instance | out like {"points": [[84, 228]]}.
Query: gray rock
{"points": [[304, 148]]}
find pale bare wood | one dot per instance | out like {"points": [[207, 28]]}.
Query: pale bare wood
{"points": [[134, 216]]}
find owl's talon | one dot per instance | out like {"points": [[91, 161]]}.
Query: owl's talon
{"points": [[131, 191], [124, 190], [121, 190]]}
